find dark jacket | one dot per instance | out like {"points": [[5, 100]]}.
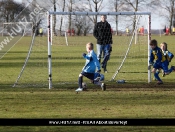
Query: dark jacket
{"points": [[102, 32]]}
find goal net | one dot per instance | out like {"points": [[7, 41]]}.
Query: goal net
{"points": [[56, 58], [11, 33], [19, 28]]}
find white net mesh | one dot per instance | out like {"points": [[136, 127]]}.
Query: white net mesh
{"points": [[11, 33], [17, 28]]}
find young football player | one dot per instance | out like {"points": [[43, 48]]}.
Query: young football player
{"points": [[158, 60], [168, 55], [89, 70]]}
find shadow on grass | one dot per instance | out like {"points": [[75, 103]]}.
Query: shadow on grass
{"points": [[111, 86]]}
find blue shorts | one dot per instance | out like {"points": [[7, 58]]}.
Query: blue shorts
{"points": [[157, 65], [165, 66], [88, 75], [162, 65]]}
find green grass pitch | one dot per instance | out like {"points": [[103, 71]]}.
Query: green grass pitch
{"points": [[135, 99]]}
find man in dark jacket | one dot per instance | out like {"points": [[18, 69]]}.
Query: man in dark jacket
{"points": [[102, 32]]}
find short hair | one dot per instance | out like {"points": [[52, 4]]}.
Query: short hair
{"points": [[104, 16], [153, 42], [91, 45], [166, 45]]}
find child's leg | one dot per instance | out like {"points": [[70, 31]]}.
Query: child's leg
{"points": [[156, 75], [157, 71], [80, 80], [90, 76], [165, 68], [97, 83], [99, 52], [172, 69], [96, 79]]}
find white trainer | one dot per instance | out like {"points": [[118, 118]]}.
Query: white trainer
{"points": [[103, 86], [79, 90]]}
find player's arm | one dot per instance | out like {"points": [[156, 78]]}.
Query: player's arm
{"points": [[170, 55], [151, 60], [88, 57], [110, 34]]}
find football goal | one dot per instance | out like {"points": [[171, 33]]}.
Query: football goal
{"points": [[56, 59]]}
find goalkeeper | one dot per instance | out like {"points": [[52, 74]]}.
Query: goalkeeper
{"points": [[158, 60], [89, 69]]}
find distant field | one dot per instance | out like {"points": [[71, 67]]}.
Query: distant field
{"points": [[32, 98]]}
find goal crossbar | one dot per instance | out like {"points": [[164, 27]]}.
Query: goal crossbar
{"points": [[100, 13]]}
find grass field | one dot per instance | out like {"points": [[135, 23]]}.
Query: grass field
{"points": [[33, 99]]}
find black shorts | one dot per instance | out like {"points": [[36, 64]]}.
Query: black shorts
{"points": [[88, 75]]}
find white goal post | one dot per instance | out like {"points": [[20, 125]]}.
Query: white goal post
{"points": [[49, 20]]}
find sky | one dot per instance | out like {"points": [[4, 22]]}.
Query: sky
{"points": [[18, 1], [156, 22]]}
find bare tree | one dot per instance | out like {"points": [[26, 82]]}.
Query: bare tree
{"points": [[9, 9], [83, 25], [134, 5], [116, 19], [61, 21], [70, 16], [168, 11], [79, 25], [95, 6], [171, 11], [54, 18], [116, 5], [174, 19]]}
